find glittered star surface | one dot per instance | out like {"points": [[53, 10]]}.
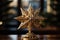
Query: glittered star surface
{"points": [[29, 18]]}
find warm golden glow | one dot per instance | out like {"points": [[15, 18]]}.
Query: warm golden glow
{"points": [[1, 22], [14, 3], [49, 9], [54, 12], [25, 39], [12, 11]]}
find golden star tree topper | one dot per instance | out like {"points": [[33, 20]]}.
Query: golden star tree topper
{"points": [[29, 18]]}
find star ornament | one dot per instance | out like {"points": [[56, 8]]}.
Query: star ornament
{"points": [[29, 18]]}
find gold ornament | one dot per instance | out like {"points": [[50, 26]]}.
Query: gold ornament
{"points": [[29, 18]]}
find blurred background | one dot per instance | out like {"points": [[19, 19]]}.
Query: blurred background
{"points": [[41, 37], [49, 9]]}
